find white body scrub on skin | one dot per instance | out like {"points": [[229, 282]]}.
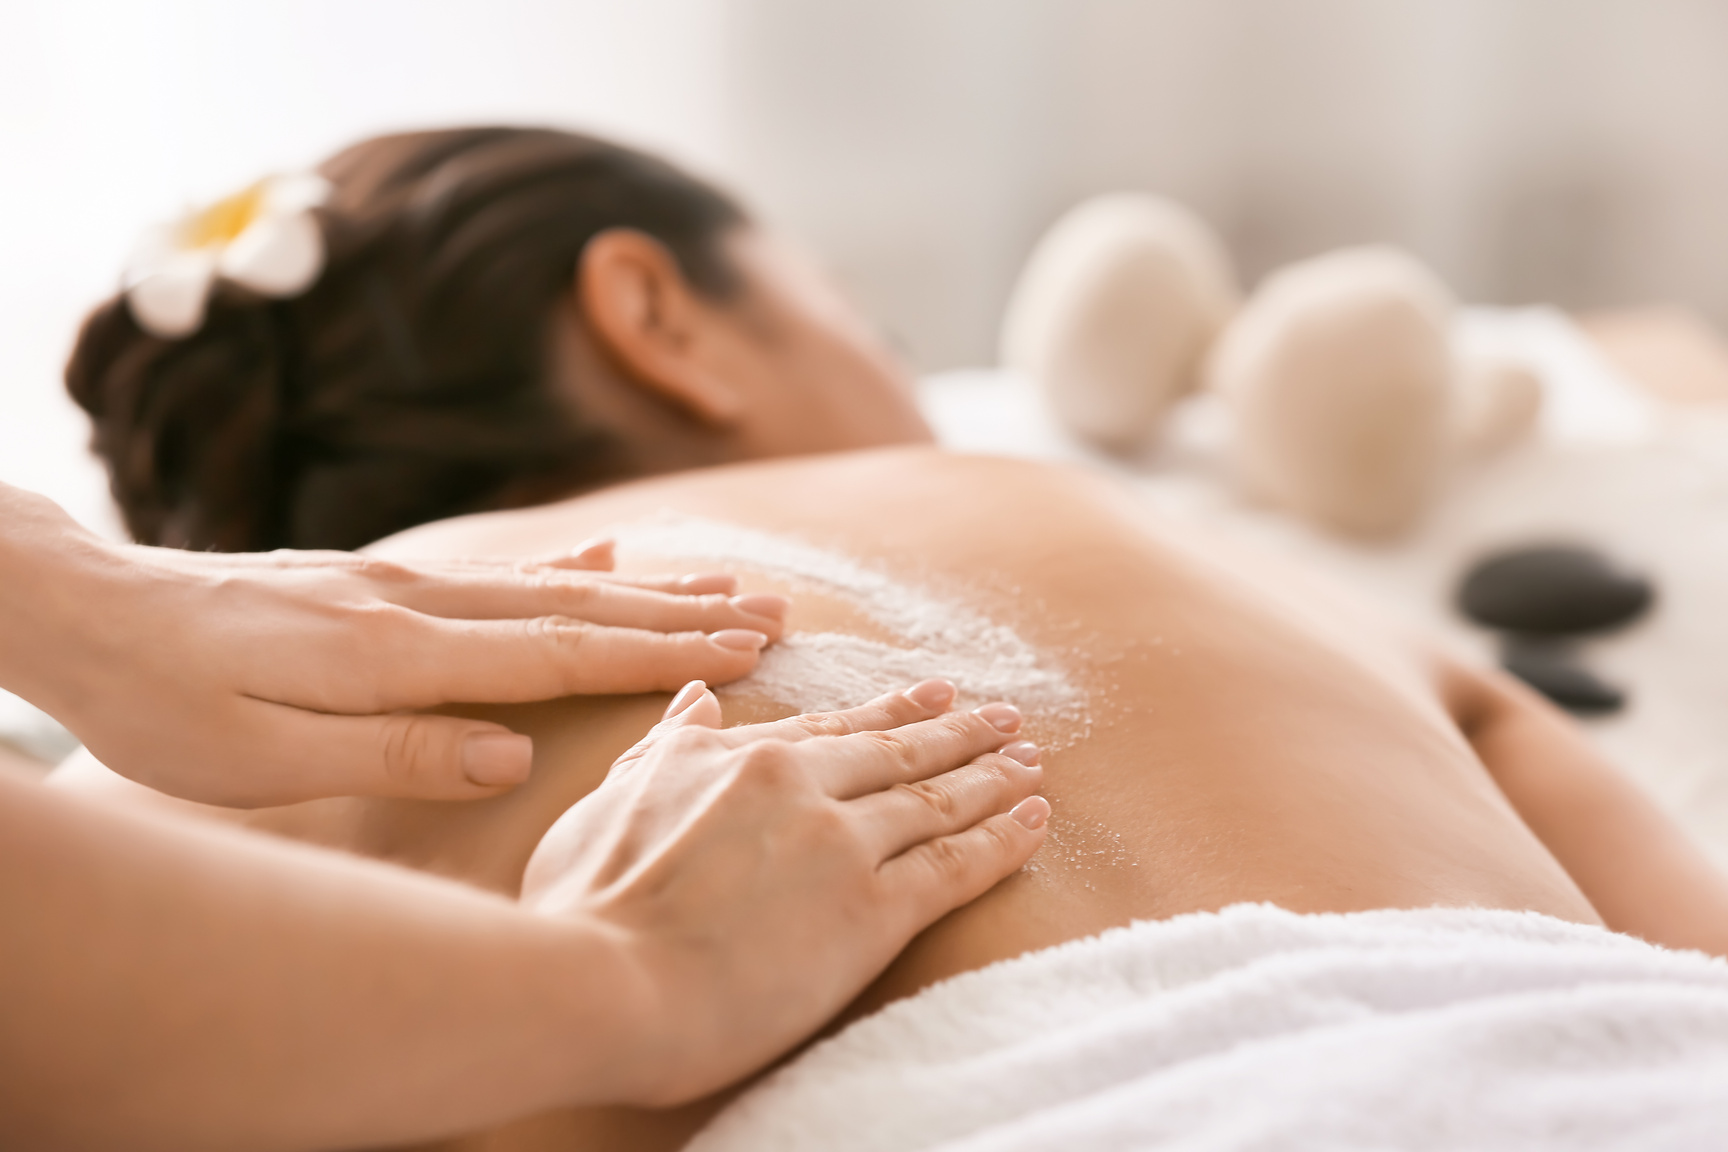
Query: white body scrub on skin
{"points": [[925, 635]]}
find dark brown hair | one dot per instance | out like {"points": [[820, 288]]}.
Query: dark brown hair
{"points": [[411, 381]]}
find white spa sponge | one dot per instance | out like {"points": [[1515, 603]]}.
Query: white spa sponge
{"points": [[1114, 312], [1340, 376]]}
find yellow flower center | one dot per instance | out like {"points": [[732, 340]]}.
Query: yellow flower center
{"points": [[222, 221]]}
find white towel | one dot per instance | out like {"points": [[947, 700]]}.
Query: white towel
{"points": [[1259, 1028]]}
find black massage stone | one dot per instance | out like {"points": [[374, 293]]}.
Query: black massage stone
{"points": [[1552, 591], [1551, 667]]}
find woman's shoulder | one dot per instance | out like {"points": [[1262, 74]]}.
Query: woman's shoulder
{"points": [[834, 485]]}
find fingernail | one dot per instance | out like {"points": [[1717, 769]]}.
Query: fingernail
{"points": [[1023, 751], [591, 549], [739, 639], [687, 696], [1002, 717], [492, 758], [707, 583], [933, 695], [763, 604], [1031, 812]]}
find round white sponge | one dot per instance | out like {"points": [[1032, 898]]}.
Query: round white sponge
{"points": [[1114, 312], [1339, 374]]}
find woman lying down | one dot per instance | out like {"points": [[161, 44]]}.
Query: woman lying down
{"points": [[1308, 879]]}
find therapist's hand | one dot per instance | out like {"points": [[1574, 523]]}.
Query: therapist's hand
{"points": [[757, 878], [267, 679]]}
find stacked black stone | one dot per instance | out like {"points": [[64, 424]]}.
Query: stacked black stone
{"points": [[1542, 599]]}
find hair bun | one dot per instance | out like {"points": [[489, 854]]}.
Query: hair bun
{"points": [[410, 381], [188, 427]]}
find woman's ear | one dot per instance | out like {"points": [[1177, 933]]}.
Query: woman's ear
{"points": [[650, 321]]}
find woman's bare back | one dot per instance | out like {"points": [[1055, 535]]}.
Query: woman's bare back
{"points": [[1233, 739], [1240, 740]]}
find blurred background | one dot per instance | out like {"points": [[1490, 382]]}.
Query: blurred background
{"points": [[1567, 151]]}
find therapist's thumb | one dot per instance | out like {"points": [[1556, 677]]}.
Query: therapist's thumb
{"points": [[695, 705]]}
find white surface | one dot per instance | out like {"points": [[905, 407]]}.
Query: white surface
{"points": [[33, 732], [1258, 1028], [1644, 483]]}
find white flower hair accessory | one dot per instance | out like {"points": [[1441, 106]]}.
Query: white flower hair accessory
{"points": [[264, 238]]}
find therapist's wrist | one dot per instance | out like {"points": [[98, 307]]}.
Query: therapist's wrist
{"points": [[606, 1037], [53, 571]]}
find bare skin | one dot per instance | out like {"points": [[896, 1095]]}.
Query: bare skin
{"points": [[1248, 742]]}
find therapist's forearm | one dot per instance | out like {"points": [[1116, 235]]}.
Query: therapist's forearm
{"points": [[180, 986]]}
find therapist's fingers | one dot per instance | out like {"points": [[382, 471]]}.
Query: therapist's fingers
{"points": [[431, 660], [474, 596], [920, 702], [313, 755], [690, 584], [685, 584], [932, 879], [600, 555], [674, 584], [867, 762], [597, 555], [908, 814], [692, 706], [400, 581]]}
